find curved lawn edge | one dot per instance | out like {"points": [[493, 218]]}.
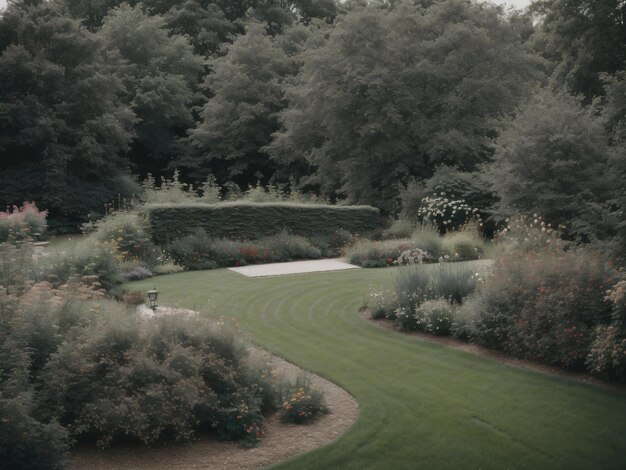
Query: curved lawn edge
{"points": [[280, 442], [476, 350]]}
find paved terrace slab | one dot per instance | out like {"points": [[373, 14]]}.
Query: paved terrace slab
{"points": [[294, 267]]}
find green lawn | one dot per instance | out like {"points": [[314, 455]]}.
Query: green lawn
{"points": [[422, 405]]}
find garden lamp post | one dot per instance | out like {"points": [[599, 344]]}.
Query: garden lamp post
{"points": [[152, 297]]}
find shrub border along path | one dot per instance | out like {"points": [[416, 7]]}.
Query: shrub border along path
{"points": [[421, 404], [279, 442]]}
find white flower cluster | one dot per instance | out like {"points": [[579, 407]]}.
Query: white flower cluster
{"points": [[447, 211]]}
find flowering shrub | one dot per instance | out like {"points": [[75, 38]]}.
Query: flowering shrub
{"points": [[23, 222], [446, 212], [541, 305], [302, 403], [137, 274], [525, 234]]}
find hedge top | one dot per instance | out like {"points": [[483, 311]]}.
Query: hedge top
{"points": [[225, 204]]}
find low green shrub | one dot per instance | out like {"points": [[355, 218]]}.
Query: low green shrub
{"points": [[399, 228], [465, 245], [167, 268], [198, 251], [302, 403], [426, 237], [375, 254]]}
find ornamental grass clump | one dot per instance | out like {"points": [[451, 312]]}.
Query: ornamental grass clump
{"points": [[425, 297]]}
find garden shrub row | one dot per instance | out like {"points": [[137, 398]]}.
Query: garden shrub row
{"points": [[248, 220], [542, 300]]}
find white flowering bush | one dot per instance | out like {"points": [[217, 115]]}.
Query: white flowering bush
{"points": [[447, 212]]}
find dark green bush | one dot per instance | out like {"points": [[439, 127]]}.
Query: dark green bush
{"points": [[124, 377], [25, 442], [248, 220]]}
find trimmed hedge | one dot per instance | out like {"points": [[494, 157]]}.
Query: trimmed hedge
{"points": [[249, 220]]}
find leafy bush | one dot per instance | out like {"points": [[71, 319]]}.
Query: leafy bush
{"points": [[88, 259], [375, 254], [400, 228], [25, 442], [465, 245], [607, 356], [249, 220], [302, 403], [426, 237], [17, 266], [198, 251], [23, 222], [471, 187], [128, 230], [542, 306], [419, 294], [436, 316]]}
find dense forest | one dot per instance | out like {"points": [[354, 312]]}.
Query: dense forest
{"points": [[373, 102]]}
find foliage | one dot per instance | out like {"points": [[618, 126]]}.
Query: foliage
{"points": [[159, 71], [17, 267], [302, 403], [583, 39], [552, 160], [63, 126], [425, 298], [464, 245], [541, 305], [112, 375], [240, 117], [199, 251], [446, 213], [470, 189], [607, 356], [376, 254], [90, 260], [418, 92], [25, 442], [248, 220], [23, 222]]}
